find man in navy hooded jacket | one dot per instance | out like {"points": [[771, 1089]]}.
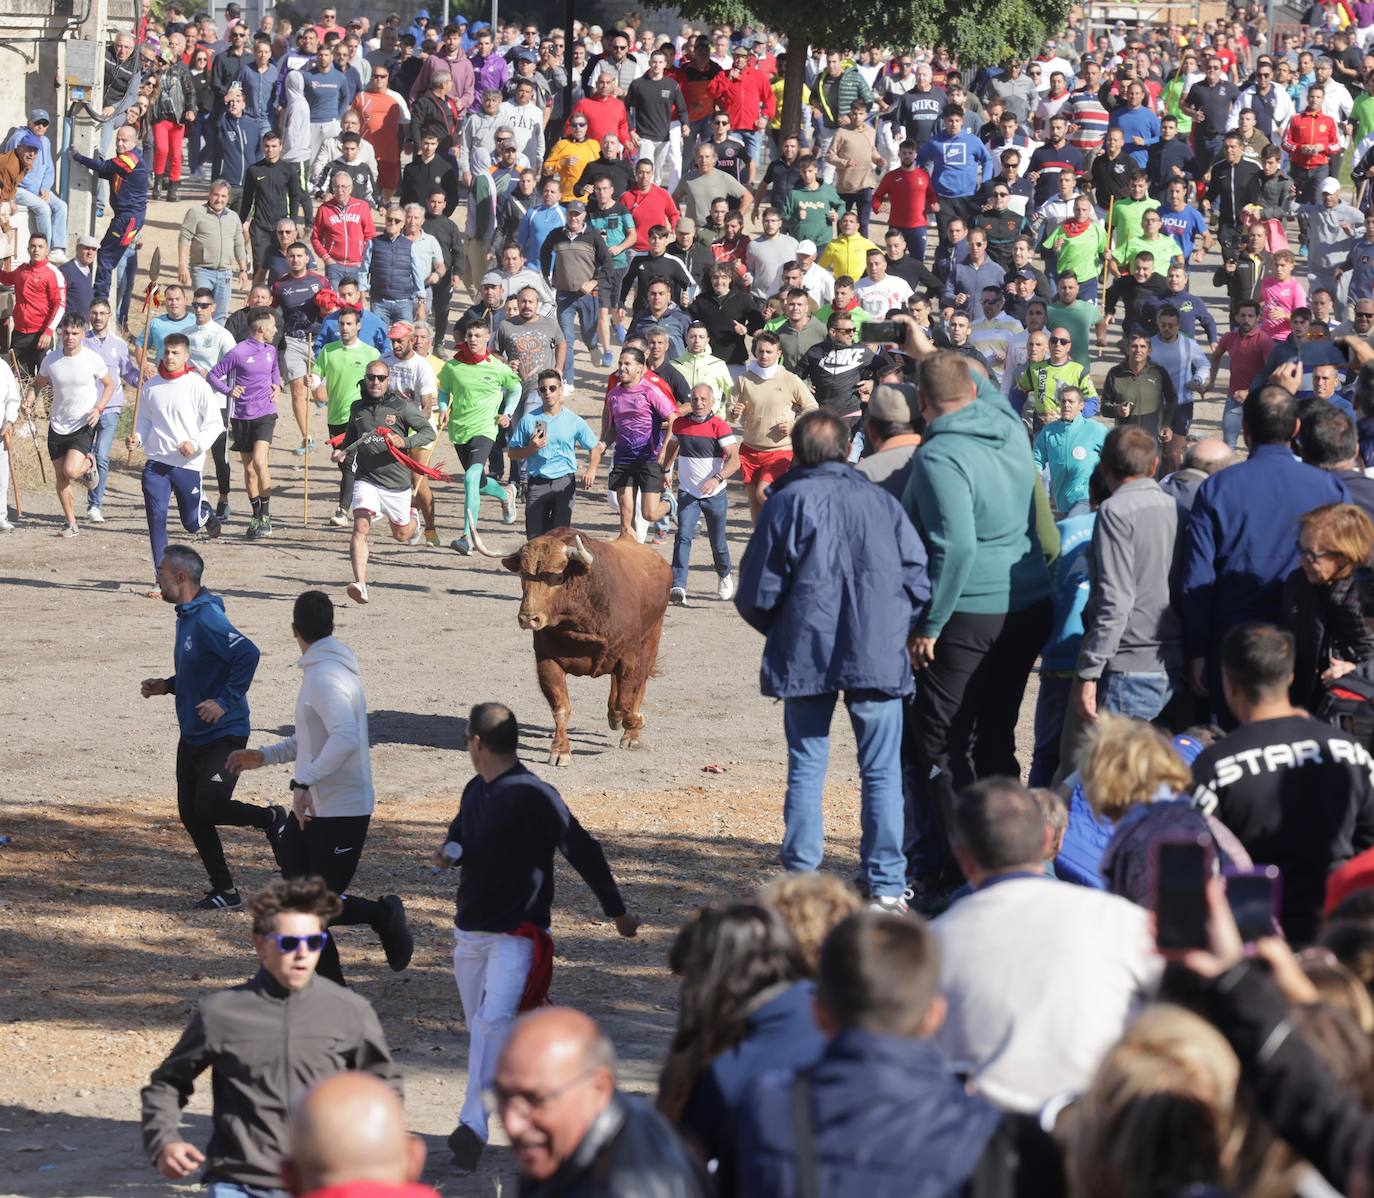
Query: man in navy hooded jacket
{"points": [[835, 579], [1242, 538], [213, 667]]}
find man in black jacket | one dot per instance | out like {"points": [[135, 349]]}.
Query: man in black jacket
{"points": [[427, 171], [573, 1133], [1232, 184], [445, 232], [264, 1042], [509, 824], [272, 192]]}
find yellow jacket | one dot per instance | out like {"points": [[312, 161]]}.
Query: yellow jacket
{"points": [[568, 159], [847, 255]]}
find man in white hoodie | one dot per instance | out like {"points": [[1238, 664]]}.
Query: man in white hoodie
{"points": [[179, 420], [332, 798]]}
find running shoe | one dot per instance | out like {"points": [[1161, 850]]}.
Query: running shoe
{"points": [[301, 450], [265, 526], [251, 533], [357, 591], [276, 831], [431, 538], [726, 588], [221, 900], [461, 546], [339, 519], [418, 537], [397, 942], [607, 360], [69, 530], [618, 332], [670, 498], [677, 597], [508, 505], [213, 526], [5, 525], [890, 904], [95, 515], [223, 510]]}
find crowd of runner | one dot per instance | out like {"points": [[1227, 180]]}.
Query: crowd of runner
{"points": [[951, 336]]}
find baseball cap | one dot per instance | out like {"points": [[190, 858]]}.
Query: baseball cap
{"points": [[894, 402], [1329, 185], [575, 206], [1025, 273], [740, 49], [401, 329], [686, 224], [87, 242], [40, 114], [807, 247], [523, 56], [29, 142], [1185, 746], [491, 277]]}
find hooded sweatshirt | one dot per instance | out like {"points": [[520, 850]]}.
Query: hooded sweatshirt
{"points": [[330, 746], [211, 660], [295, 127], [972, 496]]}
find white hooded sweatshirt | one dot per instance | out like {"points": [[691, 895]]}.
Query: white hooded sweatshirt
{"points": [[330, 747]]}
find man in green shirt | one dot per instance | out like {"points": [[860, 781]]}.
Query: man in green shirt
{"points": [[812, 207], [477, 395], [1043, 381], [1076, 315], [1127, 213], [340, 365]]}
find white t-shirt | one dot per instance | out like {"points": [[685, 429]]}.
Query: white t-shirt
{"points": [[414, 379], [878, 297], [75, 387], [209, 343]]}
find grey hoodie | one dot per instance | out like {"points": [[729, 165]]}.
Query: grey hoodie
{"points": [[330, 747]]}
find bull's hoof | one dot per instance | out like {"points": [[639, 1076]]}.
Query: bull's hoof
{"points": [[631, 740], [613, 719], [560, 757]]}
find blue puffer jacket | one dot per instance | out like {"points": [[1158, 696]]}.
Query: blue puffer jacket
{"points": [[889, 1121], [389, 264], [835, 578]]}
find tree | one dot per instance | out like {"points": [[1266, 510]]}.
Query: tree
{"points": [[985, 32]]}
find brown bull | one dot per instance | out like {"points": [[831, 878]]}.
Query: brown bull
{"points": [[595, 607]]}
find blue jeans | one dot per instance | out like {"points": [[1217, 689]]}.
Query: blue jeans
{"points": [[915, 241], [1140, 696], [104, 439], [217, 1187], [107, 141], [690, 509], [574, 303], [221, 282], [388, 311], [336, 273], [1232, 421], [1050, 707], [125, 274], [751, 140], [48, 217], [877, 722]]}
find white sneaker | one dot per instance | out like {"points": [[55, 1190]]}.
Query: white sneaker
{"points": [[889, 904], [5, 525], [357, 591], [726, 589], [508, 505], [95, 515], [677, 597], [418, 537], [339, 519]]}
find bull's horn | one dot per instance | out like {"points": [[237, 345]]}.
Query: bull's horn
{"points": [[477, 541], [579, 551]]}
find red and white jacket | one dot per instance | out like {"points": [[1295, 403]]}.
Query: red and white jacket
{"points": [[341, 233], [1311, 129], [40, 296]]}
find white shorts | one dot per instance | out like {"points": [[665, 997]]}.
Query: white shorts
{"points": [[372, 499]]}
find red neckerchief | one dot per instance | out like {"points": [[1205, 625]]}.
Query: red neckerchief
{"points": [[404, 458], [468, 358], [1073, 228], [163, 371]]}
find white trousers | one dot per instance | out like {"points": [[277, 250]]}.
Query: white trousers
{"points": [[490, 969], [5, 496], [666, 157]]}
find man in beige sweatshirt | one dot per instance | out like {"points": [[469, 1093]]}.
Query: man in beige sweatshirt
{"points": [[767, 399], [853, 152]]}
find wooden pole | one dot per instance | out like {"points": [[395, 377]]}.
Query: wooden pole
{"points": [[309, 403], [142, 358]]}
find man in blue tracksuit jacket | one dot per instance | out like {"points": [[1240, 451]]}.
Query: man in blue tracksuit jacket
{"points": [[213, 667], [1242, 537]]}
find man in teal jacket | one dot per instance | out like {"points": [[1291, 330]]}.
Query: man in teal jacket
{"points": [[1070, 448], [973, 497]]}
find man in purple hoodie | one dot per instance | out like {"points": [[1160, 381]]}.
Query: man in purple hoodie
{"points": [[249, 375]]}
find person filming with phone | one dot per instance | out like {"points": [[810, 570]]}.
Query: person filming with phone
{"points": [[1297, 792], [548, 439]]}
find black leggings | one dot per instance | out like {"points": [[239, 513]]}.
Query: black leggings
{"points": [[220, 450], [345, 472], [204, 804], [332, 847]]}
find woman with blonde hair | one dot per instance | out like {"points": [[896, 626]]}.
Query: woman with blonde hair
{"points": [[1321, 600], [1160, 1115], [1135, 777], [810, 904]]}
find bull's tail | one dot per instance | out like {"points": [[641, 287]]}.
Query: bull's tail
{"points": [[476, 540]]}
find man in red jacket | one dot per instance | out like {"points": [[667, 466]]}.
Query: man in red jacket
{"points": [[606, 112], [745, 93], [343, 227], [1311, 140], [40, 298]]}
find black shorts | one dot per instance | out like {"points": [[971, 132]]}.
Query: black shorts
{"points": [[475, 452], [608, 283], [1183, 419], [262, 241], [248, 432], [646, 476], [60, 444]]}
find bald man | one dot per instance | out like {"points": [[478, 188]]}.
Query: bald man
{"points": [[555, 1092], [1204, 458], [351, 1129]]}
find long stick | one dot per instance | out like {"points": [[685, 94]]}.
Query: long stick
{"points": [[1107, 257], [33, 428], [309, 403], [14, 473], [142, 358]]}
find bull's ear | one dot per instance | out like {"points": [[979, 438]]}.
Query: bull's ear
{"points": [[512, 563]]}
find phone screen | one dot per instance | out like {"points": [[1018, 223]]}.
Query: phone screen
{"points": [[1180, 895], [1253, 897]]}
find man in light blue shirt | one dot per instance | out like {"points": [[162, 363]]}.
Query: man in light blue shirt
{"points": [[47, 210], [548, 439]]}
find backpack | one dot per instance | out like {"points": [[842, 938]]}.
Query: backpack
{"points": [[1348, 704]]}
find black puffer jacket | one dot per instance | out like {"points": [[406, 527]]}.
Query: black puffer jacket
{"points": [[630, 1151]]}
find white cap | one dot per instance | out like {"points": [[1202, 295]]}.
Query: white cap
{"points": [[807, 247], [1329, 185]]}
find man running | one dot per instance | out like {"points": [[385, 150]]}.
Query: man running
{"points": [[213, 667], [414, 380], [332, 797], [179, 420], [249, 375], [115, 351], [82, 387], [340, 366], [210, 341], [636, 413], [378, 421], [477, 394], [294, 293]]}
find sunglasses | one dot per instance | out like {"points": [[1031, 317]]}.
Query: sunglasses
{"points": [[1061, 341], [579, 124], [550, 389], [203, 304], [289, 944], [395, 220], [376, 378], [844, 328]]}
